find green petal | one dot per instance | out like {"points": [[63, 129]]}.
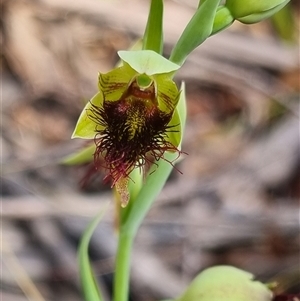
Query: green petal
{"points": [[181, 106], [226, 283], [114, 83], [174, 133], [167, 93], [148, 62], [178, 120], [85, 127]]}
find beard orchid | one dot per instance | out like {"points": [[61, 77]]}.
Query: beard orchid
{"points": [[133, 118]]}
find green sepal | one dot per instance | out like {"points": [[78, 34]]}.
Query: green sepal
{"points": [[137, 45], [223, 19], [177, 122], [83, 156], [147, 62], [226, 283], [86, 127], [155, 66], [181, 108], [174, 133]]}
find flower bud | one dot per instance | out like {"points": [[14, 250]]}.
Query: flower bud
{"points": [[253, 11], [225, 283]]}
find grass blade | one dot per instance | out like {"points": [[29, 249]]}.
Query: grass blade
{"points": [[89, 285]]}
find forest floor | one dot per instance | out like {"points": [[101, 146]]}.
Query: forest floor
{"points": [[237, 199]]}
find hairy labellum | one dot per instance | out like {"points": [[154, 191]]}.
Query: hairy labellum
{"points": [[132, 128]]}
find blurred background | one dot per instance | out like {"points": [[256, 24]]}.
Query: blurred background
{"points": [[237, 201]]}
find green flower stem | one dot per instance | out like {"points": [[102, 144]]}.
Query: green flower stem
{"points": [[153, 36], [150, 190], [139, 208], [196, 32], [122, 272]]}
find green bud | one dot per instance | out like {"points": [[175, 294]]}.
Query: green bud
{"points": [[226, 283], [223, 19], [253, 11]]}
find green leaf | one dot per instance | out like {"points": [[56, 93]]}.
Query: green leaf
{"points": [[196, 32], [153, 36], [226, 283], [85, 127], [90, 288], [83, 156]]}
